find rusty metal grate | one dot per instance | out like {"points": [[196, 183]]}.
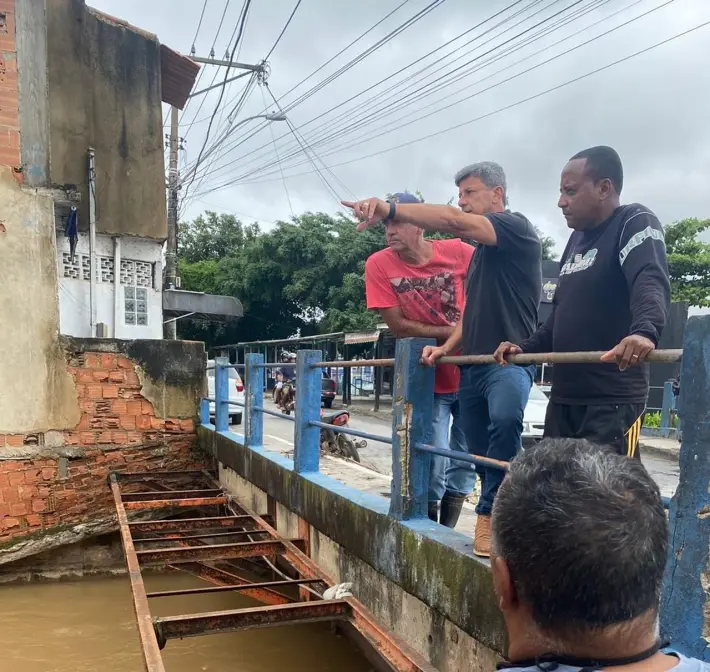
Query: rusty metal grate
{"points": [[224, 543]]}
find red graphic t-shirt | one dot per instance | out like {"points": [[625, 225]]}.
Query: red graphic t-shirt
{"points": [[431, 294]]}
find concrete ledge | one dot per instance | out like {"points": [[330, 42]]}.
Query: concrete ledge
{"points": [[426, 560]]}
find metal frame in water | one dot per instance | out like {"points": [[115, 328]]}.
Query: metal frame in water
{"points": [[683, 620]]}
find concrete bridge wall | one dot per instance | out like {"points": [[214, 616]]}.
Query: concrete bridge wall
{"points": [[414, 576]]}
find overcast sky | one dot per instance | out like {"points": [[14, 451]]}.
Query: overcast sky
{"points": [[653, 108]]}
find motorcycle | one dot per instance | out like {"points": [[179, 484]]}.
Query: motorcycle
{"points": [[285, 397], [335, 443]]}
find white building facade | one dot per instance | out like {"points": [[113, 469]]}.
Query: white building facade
{"points": [[127, 290]]}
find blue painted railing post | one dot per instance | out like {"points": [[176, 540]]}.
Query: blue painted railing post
{"points": [[254, 398], [205, 411], [683, 618], [412, 416], [306, 454], [666, 407], [221, 394]]}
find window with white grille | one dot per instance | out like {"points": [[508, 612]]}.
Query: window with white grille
{"points": [[136, 305], [79, 267]]}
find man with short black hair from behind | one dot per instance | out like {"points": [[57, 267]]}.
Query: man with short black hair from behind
{"points": [[613, 295], [579, 549]]}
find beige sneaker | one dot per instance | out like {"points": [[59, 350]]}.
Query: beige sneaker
{"points": [[482, 537]]}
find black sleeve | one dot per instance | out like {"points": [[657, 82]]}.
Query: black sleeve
{"points": [[642, 255], [515, 235], [541, 340]]}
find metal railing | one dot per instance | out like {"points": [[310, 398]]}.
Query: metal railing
{"points": [[412, 412]]}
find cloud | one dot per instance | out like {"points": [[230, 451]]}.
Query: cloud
{"points": [[652, 108]]}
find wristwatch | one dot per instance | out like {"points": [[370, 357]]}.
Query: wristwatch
{"points": [[390, 216]]}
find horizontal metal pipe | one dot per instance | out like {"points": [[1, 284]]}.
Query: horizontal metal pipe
{"points": [[592, 357], [169, 494], [168, 503], [240, 587], [137, 476], [210, 553], [192, 625], [463, 457], [353, 363], [205, 535], [276, 414], [270, 365], [231, 403], [190, 524], [352, 432]]}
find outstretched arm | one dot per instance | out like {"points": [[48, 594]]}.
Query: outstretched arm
{"points": [[443, 218]]}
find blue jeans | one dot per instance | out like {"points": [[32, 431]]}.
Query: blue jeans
{"points": [[493, 400], [448, 474]]}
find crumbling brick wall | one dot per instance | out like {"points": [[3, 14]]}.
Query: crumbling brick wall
{"points": [[55, 480]]}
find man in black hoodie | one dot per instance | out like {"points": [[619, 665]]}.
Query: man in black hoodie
{"points": [[613, 295]]}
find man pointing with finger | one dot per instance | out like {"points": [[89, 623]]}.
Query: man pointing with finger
{"points": [[613, 295], [503, 290]]}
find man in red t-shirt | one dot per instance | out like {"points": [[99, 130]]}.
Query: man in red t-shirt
{"points": [[417, 285]]}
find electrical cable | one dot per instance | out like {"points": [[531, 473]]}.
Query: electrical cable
{"points": [[281, 34], [511, 105], [199, 24], [242, 23], [399, 125], [534, 2], [276, 150]]}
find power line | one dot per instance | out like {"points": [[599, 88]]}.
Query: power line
{"points": [[399, 125], [276, 151], [511, 105], [281, 34], [199, 25], [241, 24], [366, 104], [400, 102], [202, 70], [305, 79]]}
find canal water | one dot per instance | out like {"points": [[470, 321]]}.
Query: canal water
{"points": [[89, 625]]}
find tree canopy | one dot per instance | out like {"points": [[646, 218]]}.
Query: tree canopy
{"points": [[689, 261], [307, 276]]}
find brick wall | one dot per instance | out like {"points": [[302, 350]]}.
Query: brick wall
{"points": [[9, 97], [63, 479]]}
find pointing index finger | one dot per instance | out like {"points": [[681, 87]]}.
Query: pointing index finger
{"points": [[348, 204]]}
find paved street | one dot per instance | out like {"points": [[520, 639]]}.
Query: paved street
{"points": [[374, 473]]}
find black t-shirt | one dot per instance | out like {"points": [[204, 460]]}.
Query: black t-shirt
{"points": [[503, 286], [613, 283]]}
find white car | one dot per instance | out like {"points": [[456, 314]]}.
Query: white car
{"points": [[236, 393], [534, 417]]}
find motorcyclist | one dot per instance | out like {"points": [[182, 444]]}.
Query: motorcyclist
{"points": [[286, 373]]}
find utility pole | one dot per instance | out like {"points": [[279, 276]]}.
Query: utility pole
{"points": [[171, 252]]}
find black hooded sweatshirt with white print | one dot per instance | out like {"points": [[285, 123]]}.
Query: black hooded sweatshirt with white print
{"points": [[613, 283]]}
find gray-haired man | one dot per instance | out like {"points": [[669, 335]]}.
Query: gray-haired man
{"points": [[502, 297]]}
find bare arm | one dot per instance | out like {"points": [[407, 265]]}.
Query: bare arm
{"points": [[454, 342], [402, 327], [443, 218]]}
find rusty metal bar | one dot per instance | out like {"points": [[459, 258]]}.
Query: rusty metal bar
{"points": [[221, 577], [168, 503], [189, 524], [193, 625], [240, 587], [206, 535], [170, 494], [152, 659], [207, 553], [138, 476]]}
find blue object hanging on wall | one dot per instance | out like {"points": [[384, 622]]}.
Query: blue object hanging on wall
{"points": [[72, 231]]}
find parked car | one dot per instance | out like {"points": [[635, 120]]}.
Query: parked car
{"points": [[327, 395], [534, 417], [236, 393]]}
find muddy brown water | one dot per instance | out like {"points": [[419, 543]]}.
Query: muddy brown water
{"points": [[89, 625]]}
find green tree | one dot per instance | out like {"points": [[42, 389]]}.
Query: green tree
{"points": [[689, 261], [213, 236], [548, 246]]}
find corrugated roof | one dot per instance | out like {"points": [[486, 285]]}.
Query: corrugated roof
{"points": [[362, 337], [177, 72]]}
